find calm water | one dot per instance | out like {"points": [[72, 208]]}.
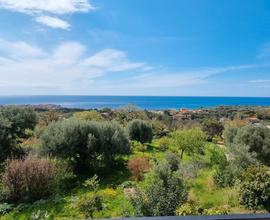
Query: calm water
{"points": [[145, 102]]}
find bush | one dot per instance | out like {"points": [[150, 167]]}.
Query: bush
{"points": [[13, 124], [89, 115], [173, 160], [188, 209], [140, 130], [32, 179], [224, 177], [191, 209], [220, 210], [90, 203], [228, 171], [84, 144], [138, 166], [255, 188], [257, 138], [161, 192], [212, 128], [5, 208]]}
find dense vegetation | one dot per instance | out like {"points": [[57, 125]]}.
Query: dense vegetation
{"points": [[64, 163]]}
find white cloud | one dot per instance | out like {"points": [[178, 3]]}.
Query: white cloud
{"points": [[19, 49], [62, 70], [260, 81], [44, 9], [47, 6], [111, 60], [264, 51], [69, 69], [53, 22]]}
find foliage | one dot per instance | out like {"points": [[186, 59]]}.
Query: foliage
{"points": [[192, 209], [220, 210], [257, 138], [92, 184], [108, 193], [90, 203], [140, 130], [40, 215], [47, 117], [128, 113], [212, 128], [164, 143], [239, 159], [82, 143], [13, 124], [138, 166], [5, 208], [89, 115], [161, 193], [32, 179], [188, 209], [173, 160], [189, 141], [159, 128], [263, 113], [254, 189], [215, 155], [224, 177]]}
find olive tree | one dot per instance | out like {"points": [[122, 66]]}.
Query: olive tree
{"points": [[257, 138], [140, 130], [212, 128], [84, 143]]}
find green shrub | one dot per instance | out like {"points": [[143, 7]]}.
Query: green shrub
{"points": [[220, 210], [13, 124], [5, 208], [160, 193], [254, 188], [90, 203], [188, 209], [140, 130], [173, 160], [191, 209], [223, 177]]}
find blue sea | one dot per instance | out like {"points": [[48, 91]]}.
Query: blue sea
{"points": [[145, 102]]}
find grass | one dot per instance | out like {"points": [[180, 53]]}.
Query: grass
{"points": [[204, 192]]}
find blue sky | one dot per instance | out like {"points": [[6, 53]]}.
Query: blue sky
{"points": [[135, 47]]}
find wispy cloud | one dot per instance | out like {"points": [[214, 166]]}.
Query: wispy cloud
{"points": [[53, 22], [264, 51], [43, 9], [260, 81], [66, 68], [70, 69]]}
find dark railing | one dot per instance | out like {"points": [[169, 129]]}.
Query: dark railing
{"points": [[212, 217]]}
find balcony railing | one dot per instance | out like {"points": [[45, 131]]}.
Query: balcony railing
{"points": [[212, 217]]}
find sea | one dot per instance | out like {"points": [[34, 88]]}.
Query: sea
{"points": [[144, 102]]}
